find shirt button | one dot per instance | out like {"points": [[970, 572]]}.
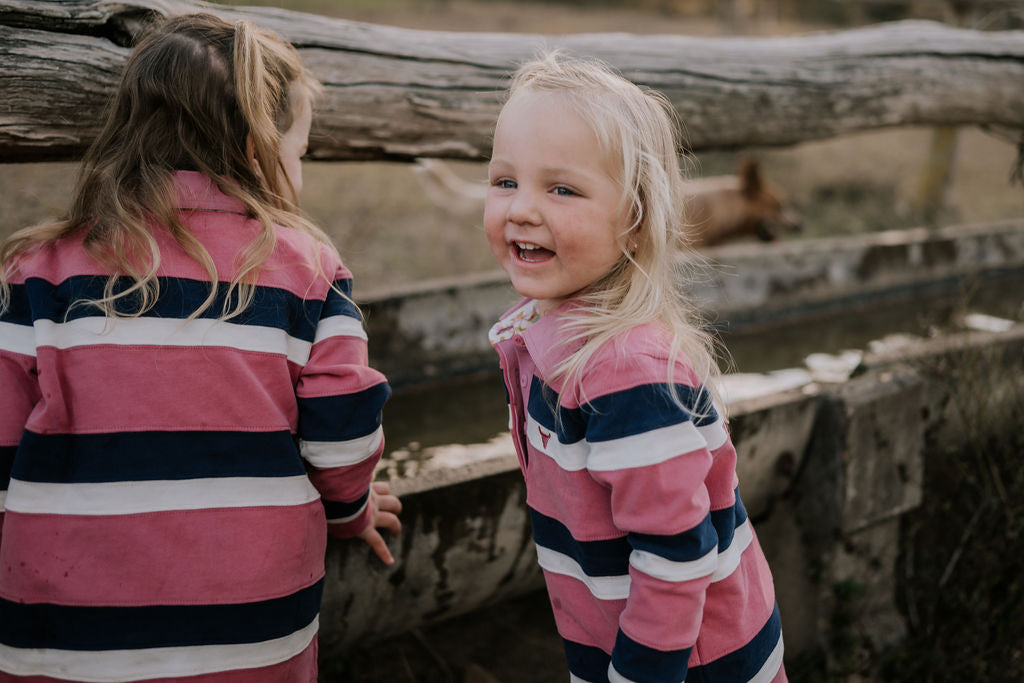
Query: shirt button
{"points": [[518, 341], [524, 380]]}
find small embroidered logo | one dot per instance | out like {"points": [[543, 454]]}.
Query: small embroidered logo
{"points": [[544, 436]]}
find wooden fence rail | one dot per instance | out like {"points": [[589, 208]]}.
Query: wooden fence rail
{"points": [[396, 93]]}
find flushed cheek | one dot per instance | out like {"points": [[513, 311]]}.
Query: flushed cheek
{"points": [[494, 228]]}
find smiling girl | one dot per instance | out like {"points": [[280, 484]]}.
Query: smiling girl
{"points": [[652, 567]]}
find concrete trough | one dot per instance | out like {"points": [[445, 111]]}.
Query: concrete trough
{"points": [[829, 461], [826, 469], [439, 329]]}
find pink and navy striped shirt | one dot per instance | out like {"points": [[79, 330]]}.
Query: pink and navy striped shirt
{"points": [[652, 567], [166, 483]]}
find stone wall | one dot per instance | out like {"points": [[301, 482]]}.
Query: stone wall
{"points": [[826, 470]]}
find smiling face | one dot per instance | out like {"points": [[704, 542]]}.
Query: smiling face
{"points": [[553, 214]]}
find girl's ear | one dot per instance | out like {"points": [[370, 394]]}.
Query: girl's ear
{"points": [[250, 153]]}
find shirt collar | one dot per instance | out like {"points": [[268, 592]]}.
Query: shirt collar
{"points": [[198, 191], [543, 335]]}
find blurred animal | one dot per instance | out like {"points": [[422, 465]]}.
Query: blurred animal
{"points": [[719, 208], [728, 207], [444, 187]]}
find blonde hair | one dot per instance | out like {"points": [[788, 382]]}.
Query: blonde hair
{"points": [[638, 131], [200, 94]]}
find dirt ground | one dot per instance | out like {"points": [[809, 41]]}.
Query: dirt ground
{"points": [[514, 642]]}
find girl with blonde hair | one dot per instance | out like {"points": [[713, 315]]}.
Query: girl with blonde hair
{"points": [[185, 402], [652, 567]]}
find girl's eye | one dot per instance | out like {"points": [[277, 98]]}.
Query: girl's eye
{"points": [[505, 184], [564, 191]]}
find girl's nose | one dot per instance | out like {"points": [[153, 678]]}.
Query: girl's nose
{"points": [[523, 209]]}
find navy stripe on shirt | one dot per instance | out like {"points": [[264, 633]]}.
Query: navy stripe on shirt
{"points": [[726, 520], [744, 663], [686, 546], [586, 661], [63, 627], [646, 407], [6, 463], [147, 456], [336, 509], [273, 307], [345, 417], [18, 310], [340, 304], [597, 558], [571, 425], [631, 411], [642, 663]]}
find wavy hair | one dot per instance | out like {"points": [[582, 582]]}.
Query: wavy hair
{"points": [[638, 131], [198, 94]]}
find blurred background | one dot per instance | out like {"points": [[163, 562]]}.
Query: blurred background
{"points": [[959, 565], [391, 233]]}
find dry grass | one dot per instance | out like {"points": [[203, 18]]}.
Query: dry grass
{"points": [[390, 233]]}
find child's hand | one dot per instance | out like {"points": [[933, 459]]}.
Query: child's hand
{"points": [[385, 515]]}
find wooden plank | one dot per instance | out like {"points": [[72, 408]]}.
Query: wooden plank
{"points": [[394, 93]]}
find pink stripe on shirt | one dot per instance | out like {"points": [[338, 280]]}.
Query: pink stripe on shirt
{"points": [[80, 397], [578, 616], [749, 591], [651, 500], [18, 397], [186, 557]]}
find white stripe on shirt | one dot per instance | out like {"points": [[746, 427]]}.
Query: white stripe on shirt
{"points": [[115, 666], [772, 665], [729, 558], [671, 570], [20, 339], [133, 497], [615, 677], [646, 448], [98, 330], [327, 454], [602, 587], [339, 326], [571, 457], [715, 434]]}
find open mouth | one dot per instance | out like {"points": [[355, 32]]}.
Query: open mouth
{"points": [[532, 253]]}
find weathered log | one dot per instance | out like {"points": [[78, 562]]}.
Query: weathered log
{"points": [[396, 93]]}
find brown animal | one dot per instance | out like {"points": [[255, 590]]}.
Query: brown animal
{"points": [[719, 208], [458, 196], [723, 208]]}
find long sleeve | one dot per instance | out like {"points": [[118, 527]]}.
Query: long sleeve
{"points": [[340, 399], [19, 387], [654, 457]]}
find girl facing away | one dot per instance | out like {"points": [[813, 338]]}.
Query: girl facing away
{"points": [[652, 568], [185, 402]]}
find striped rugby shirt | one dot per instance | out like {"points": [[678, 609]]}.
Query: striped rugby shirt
{"points": [[166, 484], [652, 567]]}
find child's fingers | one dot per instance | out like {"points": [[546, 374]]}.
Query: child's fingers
{"points": [[389, 521], [381, 487], [389, 504], [376, 542]]}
